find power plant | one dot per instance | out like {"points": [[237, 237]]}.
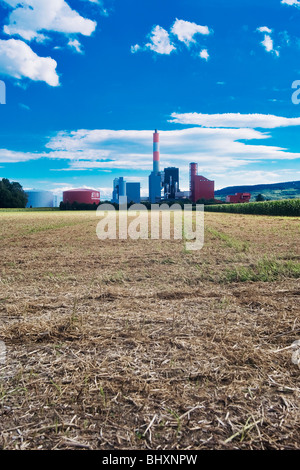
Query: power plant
{"points": [[163, 185], [200, 187]]}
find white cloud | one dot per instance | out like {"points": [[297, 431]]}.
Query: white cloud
{"points": [[164, 42], [267, 42], [204, 54], [185, 31], [264, 29], [31, 17], [10, 156], [291, 2], [160, 41], [234, 120], [135, 48], [18, 60], [75, 44], [100, 3], [30, 20]]}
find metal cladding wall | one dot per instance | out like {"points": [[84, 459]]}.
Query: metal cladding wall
{"points": [[200, 187], [82, 196], [155, 187], [122, 186], [133, 192], [39, 199], [203, 189]]}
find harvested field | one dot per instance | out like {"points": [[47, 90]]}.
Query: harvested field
{"points": [[143, 345]]}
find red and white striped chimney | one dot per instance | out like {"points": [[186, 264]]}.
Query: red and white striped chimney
{"points": [[156, 154]]}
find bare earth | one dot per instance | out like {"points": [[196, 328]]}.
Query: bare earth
{"points": [[144, 345]]}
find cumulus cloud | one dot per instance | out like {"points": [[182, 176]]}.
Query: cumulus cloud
{"points": [[31, 17], [235, 120], [164, 42], [204, 54], [18, 60], [160, 41], [37, 20], [186, 31]]}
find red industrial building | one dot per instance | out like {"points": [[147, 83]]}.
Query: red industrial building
{"points": [[200, 187], [238, 198], [85, 196]]}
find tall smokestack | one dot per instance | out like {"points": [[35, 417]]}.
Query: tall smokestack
{"points": [[193, 173], [156, 152]]}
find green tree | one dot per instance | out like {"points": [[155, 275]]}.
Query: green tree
{"points": [[259, 198], [12, 195]]}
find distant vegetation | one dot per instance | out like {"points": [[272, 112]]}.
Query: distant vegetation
{"points": [[273, 192], [76, 206], [288, 207], [12, 195]]}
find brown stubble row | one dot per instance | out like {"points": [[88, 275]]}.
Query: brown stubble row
{"points": [[144, 345]]}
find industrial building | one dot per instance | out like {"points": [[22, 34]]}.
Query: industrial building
{"points": [[168, 180], [171, 182], [37, 198], [238, 198], [122, 188], [81, 196], [200, 187], [119, 189], [156, 177]]}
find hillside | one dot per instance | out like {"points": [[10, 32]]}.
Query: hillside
{"points": [[276, 191]]}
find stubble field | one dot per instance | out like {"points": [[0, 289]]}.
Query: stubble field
{"points": [[143, 344]]}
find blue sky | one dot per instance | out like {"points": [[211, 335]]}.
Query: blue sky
{"points": [[87, 82]]}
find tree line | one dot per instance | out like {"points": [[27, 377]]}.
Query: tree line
{"points": [[12, 195]]}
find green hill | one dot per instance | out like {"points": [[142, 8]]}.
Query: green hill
{"points": [[273, 192]]}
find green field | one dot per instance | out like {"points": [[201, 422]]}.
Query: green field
{"points": [[288, 207]]}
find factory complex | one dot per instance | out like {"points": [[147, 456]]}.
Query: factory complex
{"points": [[163, 185]]}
